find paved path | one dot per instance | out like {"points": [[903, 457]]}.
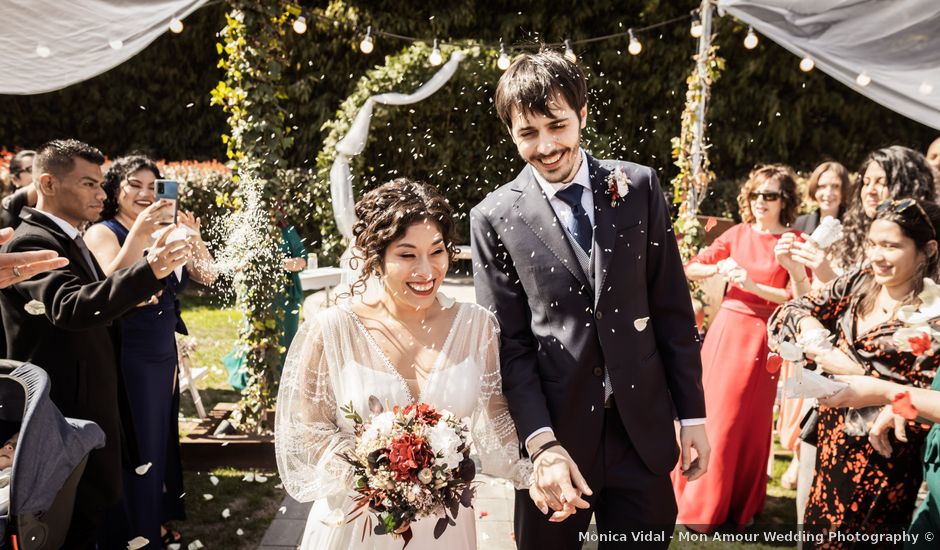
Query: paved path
{"points": [[493, 509]]}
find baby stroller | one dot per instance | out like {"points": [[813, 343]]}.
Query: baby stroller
{"points": [[49, 459]]}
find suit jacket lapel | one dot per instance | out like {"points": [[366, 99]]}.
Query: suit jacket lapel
{"points": [[74, 254], [534, 209], [605, 226]]}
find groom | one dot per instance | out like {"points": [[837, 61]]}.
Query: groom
{"points": [[599, 349]]}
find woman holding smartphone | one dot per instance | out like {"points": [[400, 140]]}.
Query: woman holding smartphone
{"points": [[129, 220]]}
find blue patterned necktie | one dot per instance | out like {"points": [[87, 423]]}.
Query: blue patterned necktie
{"points": [[580, 224]]}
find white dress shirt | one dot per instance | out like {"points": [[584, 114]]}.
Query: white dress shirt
{"points": [[69, 229]]}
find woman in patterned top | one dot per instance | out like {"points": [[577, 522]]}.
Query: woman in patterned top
{"points": [[856, 489]]}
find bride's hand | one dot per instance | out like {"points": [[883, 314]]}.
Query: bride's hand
{"points": [[541, 502]]}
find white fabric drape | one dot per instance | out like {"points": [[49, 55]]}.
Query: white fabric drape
{"points": [[355, 141], [82, 38], [895, 43]]}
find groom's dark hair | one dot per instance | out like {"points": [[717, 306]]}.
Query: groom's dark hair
{"points": [[534, 79]]}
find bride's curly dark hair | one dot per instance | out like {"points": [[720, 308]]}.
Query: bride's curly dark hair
{"points": [[908, 176], [384, 214]]}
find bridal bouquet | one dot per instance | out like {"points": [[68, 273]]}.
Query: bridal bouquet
{"points": [[410, 463]]}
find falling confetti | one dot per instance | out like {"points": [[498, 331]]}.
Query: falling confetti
{"points": [[137, 543], [774, 362], [901, 405], [143, 468], [226, 513], [207, 496], [213, 480], [640, 324]]}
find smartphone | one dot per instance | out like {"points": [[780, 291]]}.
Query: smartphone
{"points": [[168, 189]]}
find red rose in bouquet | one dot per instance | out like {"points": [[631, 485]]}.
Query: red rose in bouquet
{"points": [[408, 454]]}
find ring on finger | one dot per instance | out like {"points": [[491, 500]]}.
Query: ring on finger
{"points": [[16, 271]]}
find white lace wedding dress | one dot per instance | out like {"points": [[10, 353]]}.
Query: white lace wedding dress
{"points": [[334, 361]]}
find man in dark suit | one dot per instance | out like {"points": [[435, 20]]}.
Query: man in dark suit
{"points": [[62, 320], [598, 344]]}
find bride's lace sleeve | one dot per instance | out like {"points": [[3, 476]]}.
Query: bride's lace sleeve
{"points": [[494, 433], [306, 436]]}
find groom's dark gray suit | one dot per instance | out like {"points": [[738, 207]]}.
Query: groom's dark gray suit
{"points": [[564, 321]]}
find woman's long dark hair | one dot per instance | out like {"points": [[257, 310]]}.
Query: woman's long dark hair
{"points": [[918, 222], [908, 176], [119, 170]]}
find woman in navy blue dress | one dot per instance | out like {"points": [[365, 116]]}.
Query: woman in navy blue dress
{"points": [[148, 344]]}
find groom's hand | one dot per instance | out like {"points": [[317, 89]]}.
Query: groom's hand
{"points": [[558, 483], [693, 437]]}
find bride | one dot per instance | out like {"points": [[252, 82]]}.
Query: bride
{"points": [[407, 345]]}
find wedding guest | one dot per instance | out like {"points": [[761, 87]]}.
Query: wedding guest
{"points": [[64, 320], [857, 490], [830, 189], [868, 391], [894, 172], [129, 220], [739, 391], [933, 155], [21, 169], [20, 266]]}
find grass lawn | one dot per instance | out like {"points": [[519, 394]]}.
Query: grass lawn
{"points": [[251, 505]]}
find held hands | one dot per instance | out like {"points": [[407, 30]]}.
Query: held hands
{"points": [[20, 266], [694, 437], [558, 484], [784, 250], [164, 258], [739, 277]]}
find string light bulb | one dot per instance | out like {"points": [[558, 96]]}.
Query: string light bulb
{"points": [[696, 30], [569, 53], [435, 58], [863, 79], [366, 46], [635, 47], [750, 41], [176, 25], [300, 25], [807, 64], [503, 61]]}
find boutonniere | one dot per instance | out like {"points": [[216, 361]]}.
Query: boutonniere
{"points": [[35, 307], [618, 185]]}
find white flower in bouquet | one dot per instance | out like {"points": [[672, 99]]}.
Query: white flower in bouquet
{"points": [[445, 441], [377, 433], [929, 306], [827, 233], [426, 476]]}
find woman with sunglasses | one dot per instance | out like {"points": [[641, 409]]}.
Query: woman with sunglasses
{"points": [[149, 360], [856, 489], [739, 388]]}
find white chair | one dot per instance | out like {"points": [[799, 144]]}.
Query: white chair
{"points": [[189, 376]]}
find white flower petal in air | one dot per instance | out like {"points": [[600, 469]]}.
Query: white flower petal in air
{"points": [[143, 468], [195, 545], [226, 513], [250, 476], [446, 301], [35, 307], [213, 480], [137, 543], [207, 496], [790, 351], [239, 531], [261, 479], [640, 324], [174, 546]]}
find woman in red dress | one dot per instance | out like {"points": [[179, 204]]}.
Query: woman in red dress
{"points": [[753, 257]]}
